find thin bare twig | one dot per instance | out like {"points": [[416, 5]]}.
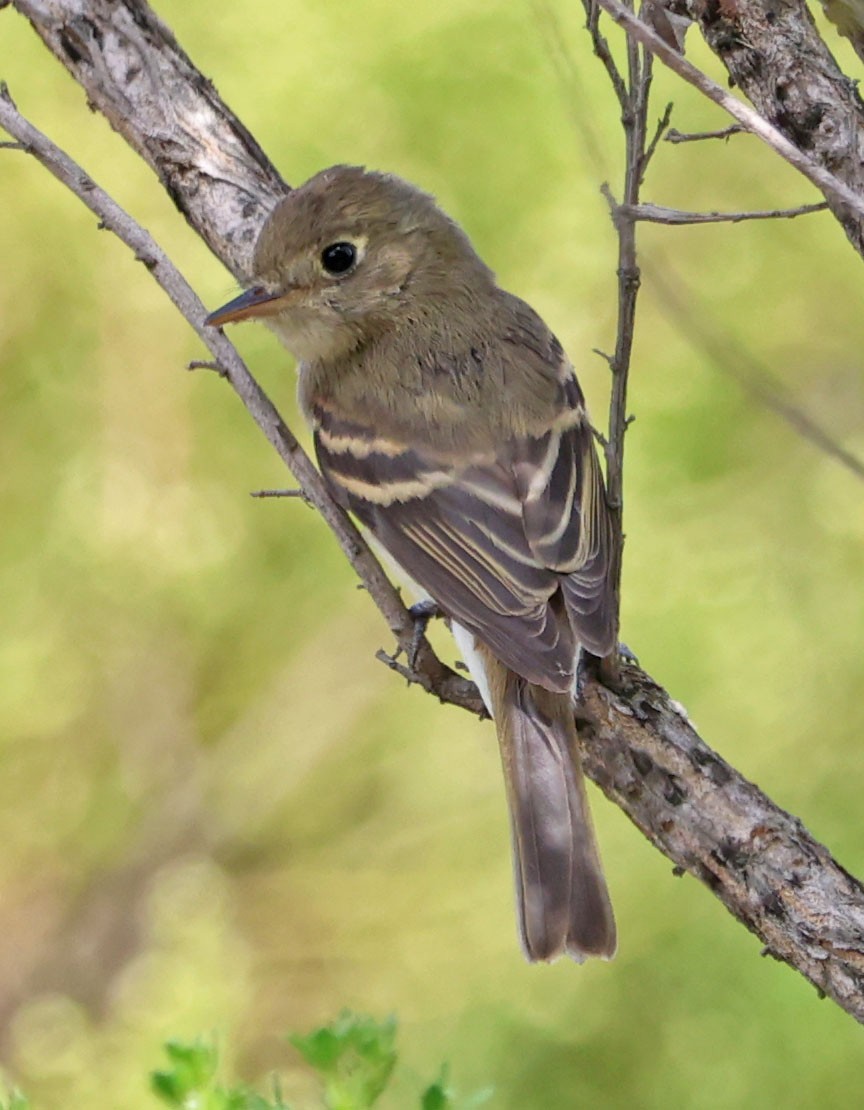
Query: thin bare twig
{"points": [[777, 59], [675, 217], [601, 49], [634, 97], [759, 382], [206, 364], [228, 361], [659, 131], [264, 493], [750, 119], [673, 136]]}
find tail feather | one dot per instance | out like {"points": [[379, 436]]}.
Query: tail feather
{"points": [[561, 894]]}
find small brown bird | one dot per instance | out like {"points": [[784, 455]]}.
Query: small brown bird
{"points": [[449, 421]]}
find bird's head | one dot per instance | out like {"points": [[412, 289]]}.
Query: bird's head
{"points": [[348, 255]]}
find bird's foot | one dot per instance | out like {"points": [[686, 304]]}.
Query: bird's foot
{"points": [[421, 613]]}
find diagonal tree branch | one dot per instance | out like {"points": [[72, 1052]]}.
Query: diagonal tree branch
{"points": [[776, 57], [638, 745], [134, 72], [834, 166], [231, 366]]}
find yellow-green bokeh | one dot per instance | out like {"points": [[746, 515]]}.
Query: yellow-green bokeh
{"points": [[218, 812]]}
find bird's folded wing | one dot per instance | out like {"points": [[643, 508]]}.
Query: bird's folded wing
{"points": [[567, 522], [514, 546]]}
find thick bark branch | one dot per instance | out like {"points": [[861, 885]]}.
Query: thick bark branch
{"points": [[229, 364], [638, 746], [760, 861], [775, 55], [834, 168], [134, 72]]}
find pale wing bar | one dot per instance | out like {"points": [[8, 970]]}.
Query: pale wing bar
{"points": [[500, 544], [568, 528]]}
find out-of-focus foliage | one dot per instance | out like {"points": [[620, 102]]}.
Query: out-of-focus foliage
{"points": [[15, 1101], [218, 812], [191, 1082], [353, 1057]]}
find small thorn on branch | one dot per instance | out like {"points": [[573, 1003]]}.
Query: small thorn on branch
{"points": [[301, 494], [393, 663], [13, 146], [204, 364], [673, 136], [662, 126], [609, 197], [607, 358]]}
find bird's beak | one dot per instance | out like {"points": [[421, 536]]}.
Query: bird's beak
{"points": [[251, 305]]}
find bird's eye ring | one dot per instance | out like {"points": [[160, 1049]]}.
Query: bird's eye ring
{"points": [[339, 258]]}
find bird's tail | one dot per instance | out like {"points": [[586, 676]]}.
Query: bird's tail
{"points": [[561, 893]]}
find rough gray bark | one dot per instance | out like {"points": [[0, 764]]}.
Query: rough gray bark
{"points": [[638, 746], [844, 200], [760, 861], [134, 72], [775, 55]]}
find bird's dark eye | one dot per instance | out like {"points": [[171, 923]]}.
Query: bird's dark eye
{"points": [[338, 258]]}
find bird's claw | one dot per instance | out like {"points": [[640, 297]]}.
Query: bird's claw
{"points": [[421, 613]]}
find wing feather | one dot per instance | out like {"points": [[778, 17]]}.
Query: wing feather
{"points": [[514, 545]]}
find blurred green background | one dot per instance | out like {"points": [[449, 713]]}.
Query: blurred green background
{"points": [[218, 813]]}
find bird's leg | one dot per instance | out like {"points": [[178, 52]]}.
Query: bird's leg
{"points": [[606, 669], [421, 613]]}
